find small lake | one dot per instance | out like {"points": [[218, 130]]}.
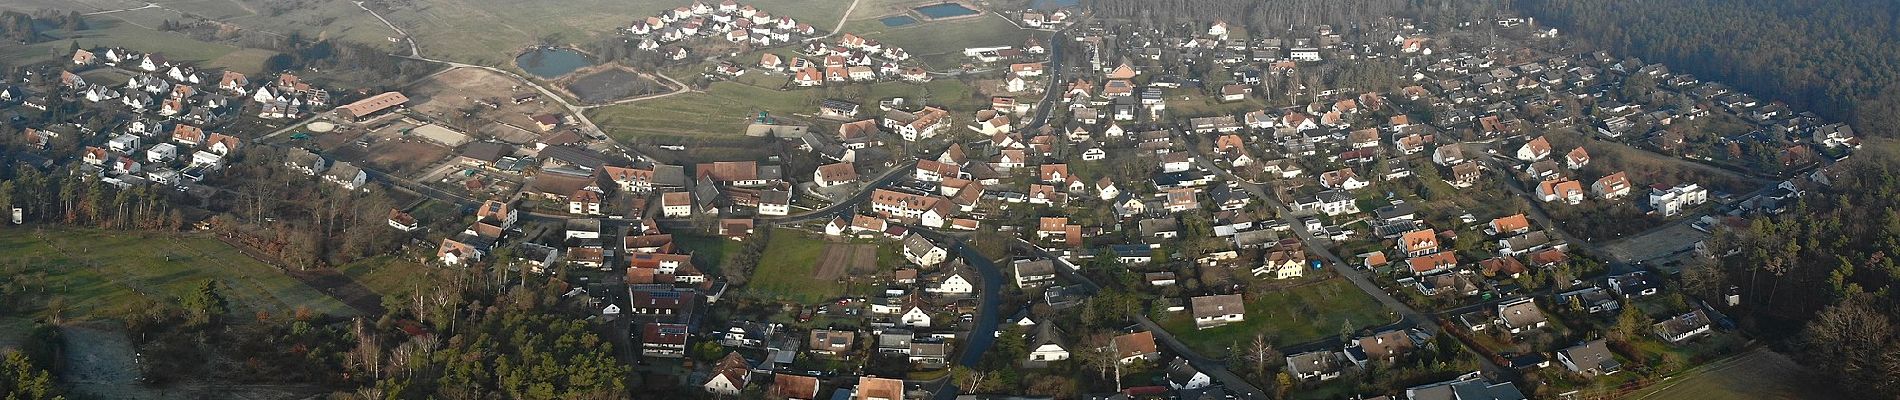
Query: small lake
{"points": [[549, 63], [1048, 4], [945, 10], [900, 20]]}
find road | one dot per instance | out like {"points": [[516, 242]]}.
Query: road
{"points": [[862, 194], [1057, 41], [841, 20]]}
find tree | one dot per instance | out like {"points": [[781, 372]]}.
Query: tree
{"points": [[1629, 324], [205, 305], [22, 380]]}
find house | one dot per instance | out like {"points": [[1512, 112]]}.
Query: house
{"points": [[1519, 315], [1566, 190], [875, 388], [1234, 92], [1683, 327], [793, 387], [1320, 365], [1419, 242], [1330, 202], [1591, 359], [1034, 273], [1047, 345], [1283, 264], [1525, 243], [1535, 150], [916, 126], [1612, 186], [1135, 346], [1385, 347], [676, 205], [837, 108], [955, 283], [1468, 387], [1218, 310], [922, 251], [915, 317], [452, 252], [728, 376], [1635, 284], [1670, 201], [1432, 263], [1502, 267], [343, 174], [663, 340], [1342, 179], [584, 202], [1183, 376], [1577, 158], [1514, 224], [775, 202], [1465, 174], [831, 343]]}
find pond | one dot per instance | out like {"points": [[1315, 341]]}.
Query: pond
{"points": [[548, 63], [945, 10], [900, 20]]}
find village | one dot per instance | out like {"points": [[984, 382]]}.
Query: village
{"points": [[1128, 211]]}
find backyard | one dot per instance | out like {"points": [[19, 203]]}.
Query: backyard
{"points": [[1289, 316]]}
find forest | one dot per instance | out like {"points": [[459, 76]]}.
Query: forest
{"points": [[1264, 15], [1834, 57], [1820, 275]]}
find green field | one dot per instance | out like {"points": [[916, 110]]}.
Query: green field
{"points": [[388, 275], [113, 32], [105, 273], [1756, 375], [785, 270], [940, 43], [709, 252], [1287, 316], [722, 110]]}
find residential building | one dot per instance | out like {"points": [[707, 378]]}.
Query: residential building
{"points": [[1217, 310]]}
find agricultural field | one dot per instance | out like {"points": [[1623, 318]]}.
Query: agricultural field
{"points": [[1300, 314], [102, 273]]}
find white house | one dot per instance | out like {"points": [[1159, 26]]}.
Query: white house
{"points": [[922, 252], [1670, 201], [1217, 310], [915, 317], [954, 284]]}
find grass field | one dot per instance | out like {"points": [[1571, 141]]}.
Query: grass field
{"points": [[786, 270], [113, 32], [722, 110], [1757, 375], [1287, 316], [387, 275], [709, 252], [940, 43], [102, 272]]}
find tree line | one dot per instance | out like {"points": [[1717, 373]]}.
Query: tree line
{"points": [[1276, 15], [1819, 277], [1835, 57]]}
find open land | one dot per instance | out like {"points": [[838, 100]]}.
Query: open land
{"points": [[104, 273], [1299, 314]]}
